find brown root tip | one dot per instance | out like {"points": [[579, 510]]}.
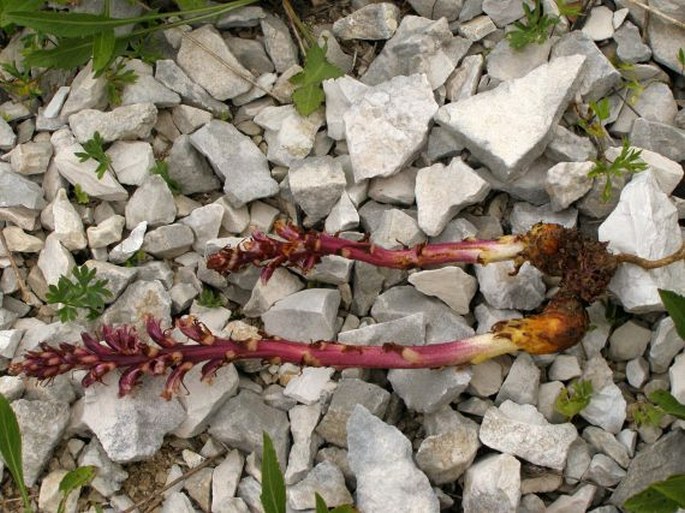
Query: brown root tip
{"points": [[562, 324]]}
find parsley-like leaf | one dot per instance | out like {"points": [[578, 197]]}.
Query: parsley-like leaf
{"points": [[308, 95], [94, 149], [571, 403], [85, 291]]}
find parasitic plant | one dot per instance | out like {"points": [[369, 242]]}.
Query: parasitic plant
{"points": [[584, 267]]}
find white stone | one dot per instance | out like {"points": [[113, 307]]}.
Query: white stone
{"points": [[307, 387], [522, 382], [442, 191], [506, 63], [87, 92], [126, 122], [316, 184], [665, 344], [599, 24], [396, 230], [131, 161], [54, 260], [522, 291], [628, 341], [68, 225], [281, 284], [524, 216], [508, 127], [398, 189], [31, 158], [493, 485], [343, 216], [205, 222], [381, 135], [645, 224], [677, 375], [106, 233], [306, 315], [341, 93], [130, 245], [450, 284], [566, 182], [20, 241], [151, 202], [372, 22]]}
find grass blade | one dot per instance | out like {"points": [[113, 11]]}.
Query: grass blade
{"points": [[10, 448], [72, 480], [273, 485]]}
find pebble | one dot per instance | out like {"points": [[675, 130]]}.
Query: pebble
{"points": [[506, 63], [660, 138], [607, 408], [17, 191], [477, 29], [385, 145], [146, 89], [303, 421], [140, 299], [131, 161], [378, 449], [608, 444], [676, 373], [205, 56], [599, 24], [493, 485], [307, 315], [443, 191], [152, 202], [655, 103], [50, 493], [524, 216], [126, 122], [398, 188], [87, 92], [238, 160], [664, 346], [281, 285], [522, 382], [129, 246], [68, 225], [278, 43], [566, 182], [31, 158], [564, 367], [566, 146], [327, 480], [105, 233], [437, 9], [628, 341], [434, 52], [309, 386], [578, 502], [7, 136], [371, 22], [499, 127], [316, 184], [54, 260], [630, 47], [523, 291], [396, 230], [428, 390], [225, 478], [450, 284]]}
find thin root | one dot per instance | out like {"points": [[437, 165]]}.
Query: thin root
{"points": [[645, 263]]}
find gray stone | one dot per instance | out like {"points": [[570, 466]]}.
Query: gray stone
{"points": [[236, 158], [367, 284], [442, 323], [566, 146], [87, 92], [9, 340], [675, 373], [665, 38], [250, 53], [655, 103], [506, 63], [493, 485], [419, 46], [129, 246], [547, 396], [125, 122], [397, 230], [665, 344], [109, 476], [327, 480], [289, 136], [134, 426], [522, 431], [398, 189], [172, 76], [598, 76], [303, 421], [332, 269], [178, 502], [630, 47], [578, 461], [666, 172], [309, 385], [199, 488], [578, 502], [235, 220], [566, 182], [188, 119], [524, 216], [628, 341], [50, 494], [442, 144], [307, 315], [599, 23], [371, 22], [278, 43], [54, 260], [428, 390], [139, 300], [31, 158], [521, 384], [437, 9], [660, 138], [152, 202], [409, 330], [503, 12], [523, 291], [105, 233], [608, 444], [205, 223], [118, 278], [17, 191], [68, 225], [146, 89], [340, 93], [478, 28], [42, 424], [7, 136], [442, 191], [316, 184], [349, 394], [377, 449], [83, 173], [498, 127], [281, 284], [131, 161], [607, 408], [645, 224], [463, 81], [450, 284], [241, 421], [225, 481], [205, 57], [637, 372], [564, 367]]}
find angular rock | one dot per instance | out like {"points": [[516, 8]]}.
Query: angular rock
{"points": [[377, 449], [660, 138], [371, 22], [68, 224], [129, 246], [105, 233], [499, 126], [349, 394], [607, 408], [381, 137], [131, 161], [675, 373], [236, 158], [599, 76], [608, 444], [419, 46], [241, 421], [218, 72], [152, 202], [506, 63], [428, 390], [42, 424], [645, 224], [278, 43], [579, 501], [493, 485], [655, 103], [87, 92], [281, 284], [566, 146], [398, 188], [308, 386], [450, 284], [303, 421], [523, 291], [17, 191], [397, 230], [343, 215], [521, 385], [327, 480], [564, 367], [628, 341], [125, 122], [630, 47], [110, 476], [146, 89], [54, 260], [289, 136], [341, 93], [31, 158], [409, 330], [566, 182], [7, 136], [225, 481], [316, 184], [205, 223], [665, 345], [307, 315], [188, 168], [599, 24], [118, 278], [442, 191], [524, 432], [50, 494]]}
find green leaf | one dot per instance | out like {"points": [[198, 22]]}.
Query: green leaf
{"points": [[10, 448], [68, 54], [668, 403], [681, 57], [321, 506], [675, 306], [308, 95], [345, 508], [84, 293], [570, 403], [187, 5], [104, 44], [72, 480], [8, 6], [273, 485], [601, 109], [661, 497]]}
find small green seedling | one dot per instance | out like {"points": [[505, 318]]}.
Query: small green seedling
{"points": [[117, 77], [598, 112], [94, 149], [645, 413], [84, 292], [308, 95], [210, 299], [628, 161], [161, 168], [80, 195], [571, 402], [73, 480], [571, 10], [536, 28], [10, 449], [138, 258], [21, 86], [681, 60], [273, 485]]}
